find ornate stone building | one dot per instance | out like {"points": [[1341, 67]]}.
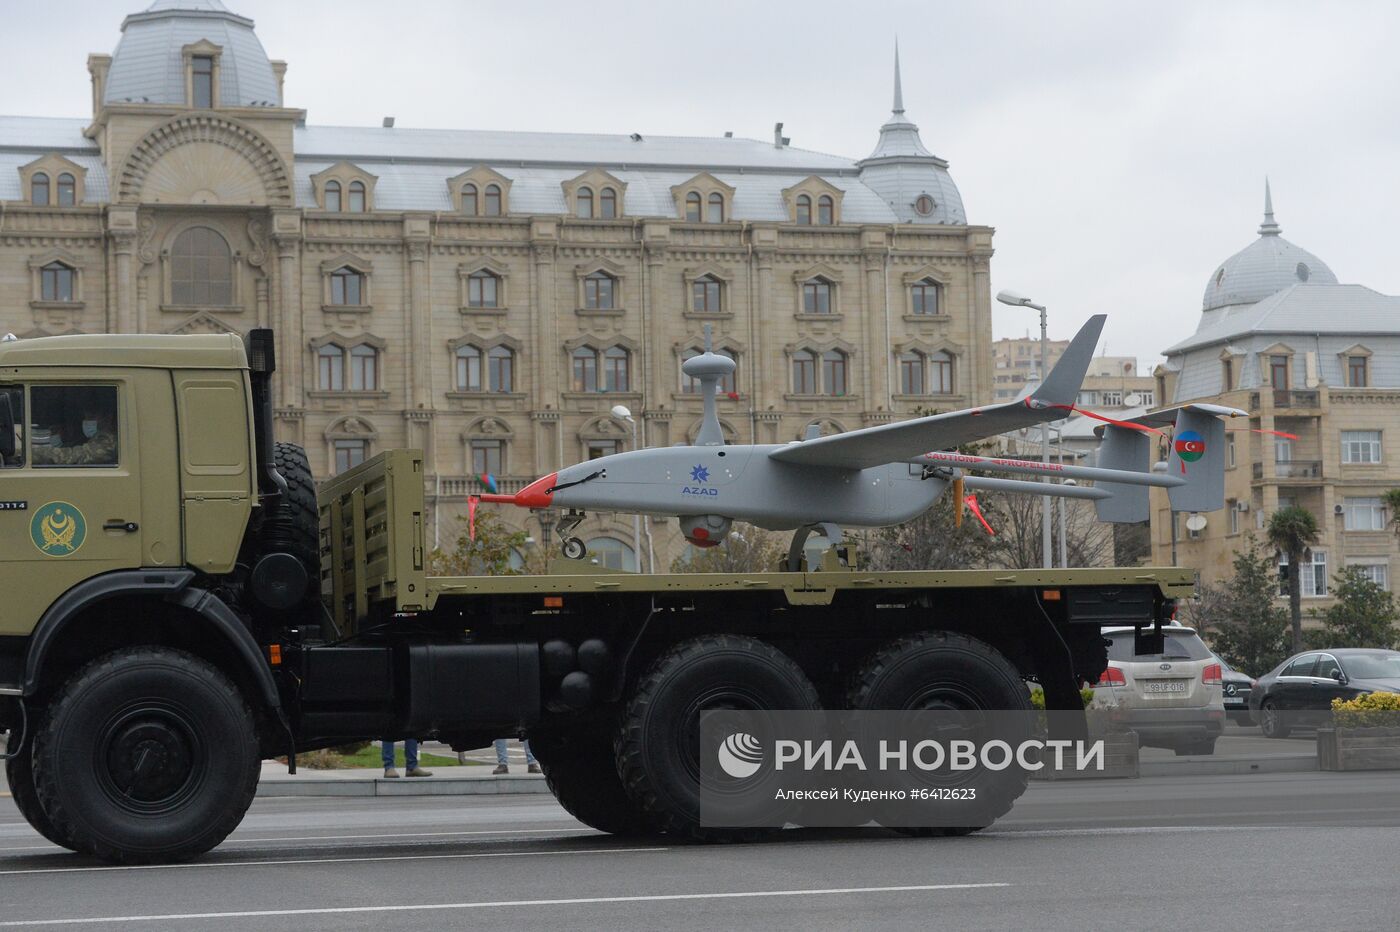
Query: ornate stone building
{"points": [[489, 297]]}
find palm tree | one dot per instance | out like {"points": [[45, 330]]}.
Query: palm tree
{"points": [[1292, 530]]}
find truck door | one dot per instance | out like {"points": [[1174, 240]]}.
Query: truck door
{"points": [[70, 495]]}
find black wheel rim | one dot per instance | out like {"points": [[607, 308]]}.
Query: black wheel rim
{"points": [[150, 759], [687, 725]]}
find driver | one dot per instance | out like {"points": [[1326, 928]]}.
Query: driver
{"points": [[97, 444]]}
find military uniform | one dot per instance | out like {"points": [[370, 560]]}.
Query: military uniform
{"points": [[100, 450]]}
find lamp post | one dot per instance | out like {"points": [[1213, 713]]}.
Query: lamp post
{"points": [[1018, 300], [623, 413]]}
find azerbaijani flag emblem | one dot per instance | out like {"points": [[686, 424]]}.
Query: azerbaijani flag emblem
{"points": [[489, 482], [1190, 446]]}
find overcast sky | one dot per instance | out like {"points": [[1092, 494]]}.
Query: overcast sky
{"points": [[1119, 149]]}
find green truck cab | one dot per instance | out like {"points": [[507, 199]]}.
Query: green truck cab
{"points": [[180, 603]]}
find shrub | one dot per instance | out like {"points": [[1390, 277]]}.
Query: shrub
{"points": [[1038, 698], [1367, 711]]}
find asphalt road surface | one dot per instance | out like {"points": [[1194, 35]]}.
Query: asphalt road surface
{"points": [[1268, 851]]}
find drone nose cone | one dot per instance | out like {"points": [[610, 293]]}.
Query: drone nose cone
{"points": [[538, 494]]}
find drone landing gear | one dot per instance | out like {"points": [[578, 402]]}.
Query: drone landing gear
{"points": [[831, 531], [571, 547]]}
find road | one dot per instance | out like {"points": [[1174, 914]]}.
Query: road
{"points": [[1278, 851]]}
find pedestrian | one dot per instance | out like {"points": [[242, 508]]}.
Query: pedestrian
{"points": [[503, 761], [410, 754]]}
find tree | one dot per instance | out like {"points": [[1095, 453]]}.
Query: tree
{"points": [[747, 549], [489, 553], [1292, 531], [933, 541], [1364, 614], [1088, 542], [1247, 628]]}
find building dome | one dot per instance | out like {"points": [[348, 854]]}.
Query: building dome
{"points": [[1264, 267], [149, 63]]}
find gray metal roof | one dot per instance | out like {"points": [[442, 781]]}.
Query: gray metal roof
{"points": [[41, 135], [1311, 308], [1262, 268]]}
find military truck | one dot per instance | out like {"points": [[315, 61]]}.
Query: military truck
{"points": [[180, 604]]}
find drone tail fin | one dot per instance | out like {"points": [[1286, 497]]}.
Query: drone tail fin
{"points": [[1198, 456], [1130, 450]]}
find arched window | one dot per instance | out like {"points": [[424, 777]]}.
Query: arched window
{"points": [[585, 360], [356, 202], [834, 372], [691, 386], [201, 269], [493, 200], [825, 210], [615, 366], [364, 368], [468, 368], [469, 200], [56, 282], [613, 553], [333, 196], [483, 289], [39, 189], [706, 295], [804, 373], [347, 287], [804, 209], [924, 295], [940, 373], [67, 190], [488, 456], [607, 204], [599, 292], [816, 296], [330, 368], [716, 209], [692, 207], [911, 374], [500, 362], [583, 203]]}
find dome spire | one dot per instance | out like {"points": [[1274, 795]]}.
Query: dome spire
{"points": [[1269, 227], [898, 90]]}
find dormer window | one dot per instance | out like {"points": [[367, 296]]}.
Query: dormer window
{"points": [[333, 196], [583, 203], [692, 207], [39, 190], [826, 210], [1356, 371], [607, 204], [67, 190], [469, 201], [202, 82], [804, 209], [715, 213], [356, 202], [346, 188], [493, 200]]}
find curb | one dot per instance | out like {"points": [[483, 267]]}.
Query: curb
{"points": [[432, 786], [1229, 766]]}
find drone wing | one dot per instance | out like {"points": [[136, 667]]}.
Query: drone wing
{"points": [[892, 443]]}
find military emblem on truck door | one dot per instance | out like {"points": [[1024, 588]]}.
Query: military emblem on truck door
{"points": [[57, 529]]}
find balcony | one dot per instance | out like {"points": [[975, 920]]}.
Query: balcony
{"points": [[1292, 399], [459, 487], [1292, 469]]}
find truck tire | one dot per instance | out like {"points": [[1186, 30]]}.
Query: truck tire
{"points": [[657, 746], [581, 772], [148, 754], [19, 772], [295, 527], [938, 670]]}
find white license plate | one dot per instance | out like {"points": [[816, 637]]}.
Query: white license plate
{"points": [[1234, 700], [1164, 686]]}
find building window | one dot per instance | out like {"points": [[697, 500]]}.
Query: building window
{"points": [[1363, 514], [940, 373], [364, 368], [1283, 450], [500, 369], [202, 81], [483, 290], [925, 297], [1356, 370], [1278, 373], [613, 553], [356, 202], [469, 204], [1229, 450], [1314, 575], [816, 296], [1361, 447], [705, 295], [1113, 399], [493, 200], [715, 214], [825, 210], [330, 368], [692, 207], [500, 364], [39, 189], [911, 374], [1147, 399], [607, 204], [691, 386], [804, 209], [347, 287], [67, 190], [834, 372], [1378, 573], [597, 448], [56, 282], [585, 369], [1227, 375], [349, 454], [1233, 514], [804, 373], [468, 369], [488, 456], [599, 289], [923, 205], [583, 203], [201, 269], [333, 196], [615, 363]]}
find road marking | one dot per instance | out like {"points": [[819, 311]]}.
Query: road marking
{"points": [[509, 904], [396, 840], [278, 862]]}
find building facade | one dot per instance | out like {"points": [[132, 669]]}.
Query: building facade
{"points": [[1017, 361], [1308, 357], [489, 297]]}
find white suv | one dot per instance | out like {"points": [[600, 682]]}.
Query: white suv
{"points": [[1172, 699]]}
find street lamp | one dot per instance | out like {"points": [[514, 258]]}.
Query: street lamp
{"points": [[1020, 300], [623, 413]]}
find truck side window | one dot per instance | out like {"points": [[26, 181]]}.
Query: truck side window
{"points": [[15, 395], [73, 425]]}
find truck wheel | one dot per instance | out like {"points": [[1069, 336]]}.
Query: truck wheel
{"points": [[581, 771], [941, 670], [295, 527], [658, 746], [19, 771], [148, 754]]}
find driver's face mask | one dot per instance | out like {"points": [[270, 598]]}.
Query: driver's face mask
{"points": [[90, 428]]}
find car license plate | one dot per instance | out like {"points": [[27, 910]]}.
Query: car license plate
{"points": [[1164, 686], [1234, 700]]}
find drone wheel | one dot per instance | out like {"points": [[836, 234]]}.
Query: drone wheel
{"points": [[574, 549]]}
